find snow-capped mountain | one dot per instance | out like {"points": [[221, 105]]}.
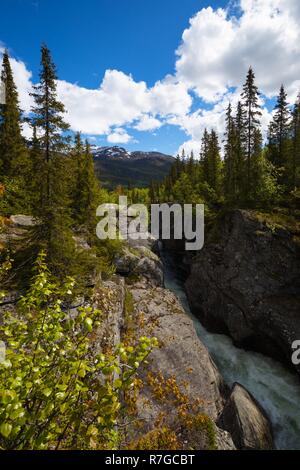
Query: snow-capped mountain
{"points": [[117, 166], [120, 153]]}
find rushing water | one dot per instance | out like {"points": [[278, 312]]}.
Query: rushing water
{"points": [[275, 387]]}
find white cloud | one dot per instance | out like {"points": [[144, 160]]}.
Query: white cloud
{"points": [[119, 136], [217, 49], [148, 123], [119, 101], [170, 97], [212, 60]]}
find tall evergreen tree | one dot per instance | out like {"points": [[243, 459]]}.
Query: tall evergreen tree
{"points": [[279, 131], [251, 106], [204, 155], [53, 232], [13, 153], [214, 163], [230, 168], [14, 161], [87, 188], [36, 165], [77, 159], [294, 160]]}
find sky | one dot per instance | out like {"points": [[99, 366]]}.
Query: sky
{"points": [[151, 75]]}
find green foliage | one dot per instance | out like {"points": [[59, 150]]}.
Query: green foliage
{"points": [[85, 187], [279, 131], [51, 205], [57, 390], [14, 161], [250, 176]]}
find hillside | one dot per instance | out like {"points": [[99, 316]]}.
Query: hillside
{"points": [[116, 166]]}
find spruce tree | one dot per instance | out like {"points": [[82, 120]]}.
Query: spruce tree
{"points": [[264, 182], [279, 131], [36, 165], [293, 165], [14, 161], [240, 148], [204, 155], [77, 159], [252, 110], [214, 163], [230, 180], [53, 231], [87, 189]]}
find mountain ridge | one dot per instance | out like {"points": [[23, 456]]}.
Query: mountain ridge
{"points": [[117, 166]]}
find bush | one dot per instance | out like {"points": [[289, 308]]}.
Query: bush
{"points": [[56, 389]]}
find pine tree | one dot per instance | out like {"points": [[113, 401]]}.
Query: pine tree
{"points": [[53, 232], [230, 180], [77, 159], [191, 167], [214, 162], [204, 155], [251, 106], [86, 189], [36, 165], [293, 165], [13, 153], [14, 161], [279, 131], [264, 182]]}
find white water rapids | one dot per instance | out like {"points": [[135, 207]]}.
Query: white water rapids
{"points": [[275, 387]]}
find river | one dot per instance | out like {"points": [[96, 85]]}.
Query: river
{"points": [[275, 387]]}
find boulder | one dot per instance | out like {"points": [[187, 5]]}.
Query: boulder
{"points": [[140, 261], [22, 220], [246, 421]]}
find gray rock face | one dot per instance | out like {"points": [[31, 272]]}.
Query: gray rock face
{"points": [[140, 261], [246, 421], [180, 354], [247, 285]]}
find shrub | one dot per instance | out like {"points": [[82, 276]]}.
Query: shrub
{"points": [[56, 389]]}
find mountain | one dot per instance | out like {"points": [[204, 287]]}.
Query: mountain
{"points": [[117, 166]]}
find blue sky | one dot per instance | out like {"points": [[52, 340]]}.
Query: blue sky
{"points": [[127, 49]]}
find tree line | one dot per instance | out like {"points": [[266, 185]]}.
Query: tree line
{"points": [[48, 177], [251, 174]]}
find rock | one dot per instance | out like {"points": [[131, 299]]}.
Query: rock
{"points": [[81, 242], [22, 220], [246, 421], [140, 261], [15, 228], [148, 241], [158, 312], [245, 282]]}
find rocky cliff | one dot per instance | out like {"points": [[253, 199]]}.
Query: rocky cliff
{"points": [[245, 282], [180, 390], [179, 399]]}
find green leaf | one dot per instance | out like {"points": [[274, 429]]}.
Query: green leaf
{"points": [[5, 429], [118, 383], [88, 323], [47, 392]]}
